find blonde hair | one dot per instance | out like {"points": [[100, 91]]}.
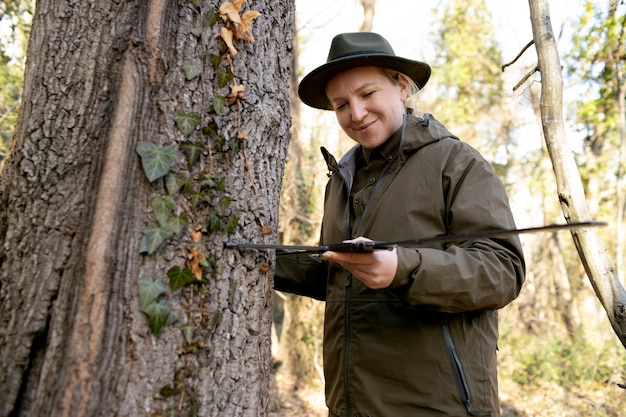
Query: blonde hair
{"points": [[411, 98]]}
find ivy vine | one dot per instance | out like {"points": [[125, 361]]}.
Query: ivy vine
{"points": [[195, 201]]}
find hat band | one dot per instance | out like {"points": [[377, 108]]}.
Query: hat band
{"points": [[366, 52]]}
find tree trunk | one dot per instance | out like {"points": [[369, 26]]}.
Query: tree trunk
{"points": [[103, 77], [601, 273]]}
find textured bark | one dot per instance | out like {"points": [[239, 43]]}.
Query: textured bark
{"points": [[101, 77], [601, 273]]}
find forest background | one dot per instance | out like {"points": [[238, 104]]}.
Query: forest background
{"points": [[558, 353]]}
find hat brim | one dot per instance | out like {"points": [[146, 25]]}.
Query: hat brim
{"points": [[312, 88]]}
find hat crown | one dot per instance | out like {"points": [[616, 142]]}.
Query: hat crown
{"points": [[358, 43]]}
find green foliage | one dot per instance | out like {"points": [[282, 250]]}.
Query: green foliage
{"points": [[187, 122], [180, 278], [196, 31], [193, 152], [157, 310], [166, 226], [191, 191], [468, 61], [214, 16], [159, 314], [174, 183], [15, 16], [192, 69], [231, 225], [177, 223], [163, 207], [153, 236], [597, 61], [564, 361], [156, 161]]}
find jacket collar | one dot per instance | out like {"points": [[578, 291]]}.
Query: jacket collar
{"points": [[415, 133]]}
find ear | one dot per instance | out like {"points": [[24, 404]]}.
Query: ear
{"points": [[403, 84]]}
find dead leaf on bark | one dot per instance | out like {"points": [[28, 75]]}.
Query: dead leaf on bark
{"points": [[238, 26], [195, 258]]}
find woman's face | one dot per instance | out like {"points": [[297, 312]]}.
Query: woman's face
{"points": [[369, 106]]}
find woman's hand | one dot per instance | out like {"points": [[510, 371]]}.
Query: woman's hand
{"points": [[375, 269]]}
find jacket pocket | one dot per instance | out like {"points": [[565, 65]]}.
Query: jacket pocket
{"points": [[459, 374]]}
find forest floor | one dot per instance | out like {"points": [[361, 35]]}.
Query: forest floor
{"points": [[293, 399]]}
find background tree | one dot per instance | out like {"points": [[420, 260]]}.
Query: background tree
{"points": [[15, 17], [468, 94], [571, 194], [597, 62], [145, 141]]}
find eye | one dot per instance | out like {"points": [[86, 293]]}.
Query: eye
{"points": [[369, 93], [340, 106]]}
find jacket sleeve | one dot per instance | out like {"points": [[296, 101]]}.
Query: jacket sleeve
{"points": [[301, 275], [480, 274]]}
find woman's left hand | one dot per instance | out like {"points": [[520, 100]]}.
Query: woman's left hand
{"points": [[375, 269]]}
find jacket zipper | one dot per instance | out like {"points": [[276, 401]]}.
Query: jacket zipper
{"points": [[457, 370]]}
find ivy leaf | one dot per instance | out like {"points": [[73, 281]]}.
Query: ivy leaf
{"points": [[174, 183], [192, 70], [214, 222], [156, 162], [186, 122], [163, 207], [153, 236], [198, 198], [231, 226], [224, 203], [159, 314], [214, 16], [188, 332], [196, 31], [180, 278], [216, 60], [211, 129], [223, 77], [218, 104], [177, 223], [193, 152], [196, 3], [149, 291]]}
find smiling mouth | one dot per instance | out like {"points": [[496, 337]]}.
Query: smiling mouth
{"points": [[365, 126]]}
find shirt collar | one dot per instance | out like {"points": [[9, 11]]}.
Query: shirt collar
{"points": [[387, 151]]}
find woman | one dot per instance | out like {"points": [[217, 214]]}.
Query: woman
{"points": [[409, 331]]}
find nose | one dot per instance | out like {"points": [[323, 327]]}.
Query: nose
{"points": [[358, 110]]}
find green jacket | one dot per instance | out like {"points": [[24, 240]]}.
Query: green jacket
{"points": [[425, 346]]}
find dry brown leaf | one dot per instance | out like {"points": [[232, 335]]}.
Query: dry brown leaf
{"points": [[230, 12], [266, 230], [236, 92], [264, 268], [239, 3], [243, 30], [227, 35], [195, 236], [195, 258]]}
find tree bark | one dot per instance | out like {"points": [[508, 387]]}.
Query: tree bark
{"points": [[600, 272], [102, 77]]}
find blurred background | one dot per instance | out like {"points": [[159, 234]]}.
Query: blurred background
{"points": [[558, 353]]}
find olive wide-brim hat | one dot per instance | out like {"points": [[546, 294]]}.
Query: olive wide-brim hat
{"points": [[359, 49]]}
